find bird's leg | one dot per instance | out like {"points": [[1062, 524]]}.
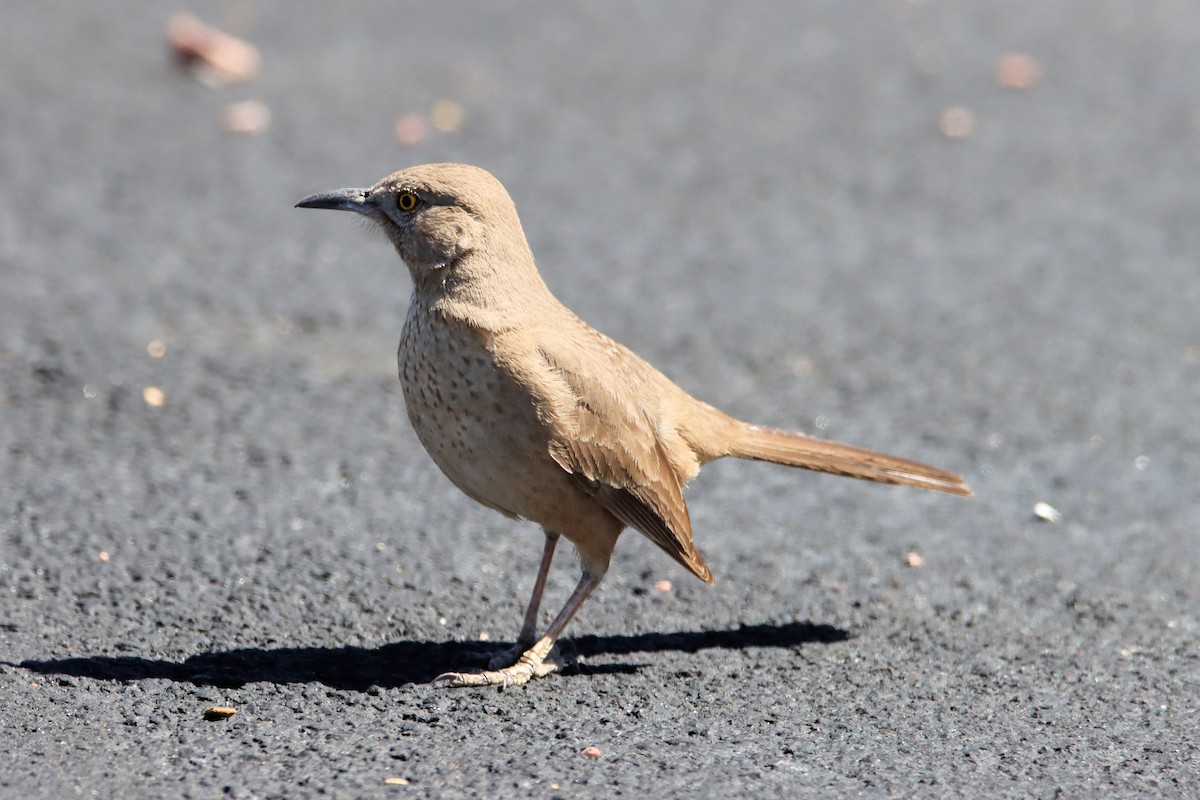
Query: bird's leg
{"points": [[533, 662], [528, 633], [529, 626]]}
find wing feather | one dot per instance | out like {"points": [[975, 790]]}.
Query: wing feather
{"points": [[615, 453]]}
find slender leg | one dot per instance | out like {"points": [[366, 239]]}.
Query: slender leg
{"points": [[528, 633], [529, 626], [532, 663]]}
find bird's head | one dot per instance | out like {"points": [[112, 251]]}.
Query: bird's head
{"points": [[437, 216]]}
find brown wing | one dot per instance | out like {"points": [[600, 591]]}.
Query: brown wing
{"points": [[613, 451]]}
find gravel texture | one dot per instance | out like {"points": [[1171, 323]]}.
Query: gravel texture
{"points": [[772, 202]]}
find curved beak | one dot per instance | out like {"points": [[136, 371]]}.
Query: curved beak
{"points": [[340, 200]]}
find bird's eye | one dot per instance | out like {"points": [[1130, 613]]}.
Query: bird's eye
{"points": [[406, 201]]}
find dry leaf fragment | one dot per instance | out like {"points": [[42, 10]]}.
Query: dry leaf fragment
{"points": [[220, 56], [219, 712]]}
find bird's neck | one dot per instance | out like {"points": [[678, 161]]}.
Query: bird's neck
{"points": [[489, 291]]}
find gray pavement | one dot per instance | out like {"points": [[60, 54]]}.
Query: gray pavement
{"points": [[756, 197]]}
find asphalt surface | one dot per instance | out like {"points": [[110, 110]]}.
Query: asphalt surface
{"points": [[757, 198]]}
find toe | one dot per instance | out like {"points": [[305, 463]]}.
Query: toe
{"points": [[516, 675]]}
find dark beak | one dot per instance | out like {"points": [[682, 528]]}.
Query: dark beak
{"points": [[340, 200]]}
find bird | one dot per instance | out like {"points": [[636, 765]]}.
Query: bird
{"points": [[534, 413]]}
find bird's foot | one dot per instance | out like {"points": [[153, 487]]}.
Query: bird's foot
{"points": [[527, 667], [511, 656]]}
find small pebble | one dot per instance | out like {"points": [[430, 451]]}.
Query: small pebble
{"points": [[592, 751], [395, 781], [1046, 512], [411, 130], [154, 396], [247, 117], [956, 123], [662, 586], [914, 560], [1018, 71], [446, 115]]}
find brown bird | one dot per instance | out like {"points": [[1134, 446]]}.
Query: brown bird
{"points": [[531, 411]]}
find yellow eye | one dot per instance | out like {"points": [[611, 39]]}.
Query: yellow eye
{"points": [[406, 201]]}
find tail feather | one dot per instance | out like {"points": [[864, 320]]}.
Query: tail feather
{"points": [[797, 450]]}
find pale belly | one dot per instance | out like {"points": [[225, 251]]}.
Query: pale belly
{"points": [[480, 426]]}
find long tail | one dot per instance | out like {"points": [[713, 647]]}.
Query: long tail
{"points": [[798, 450]]}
